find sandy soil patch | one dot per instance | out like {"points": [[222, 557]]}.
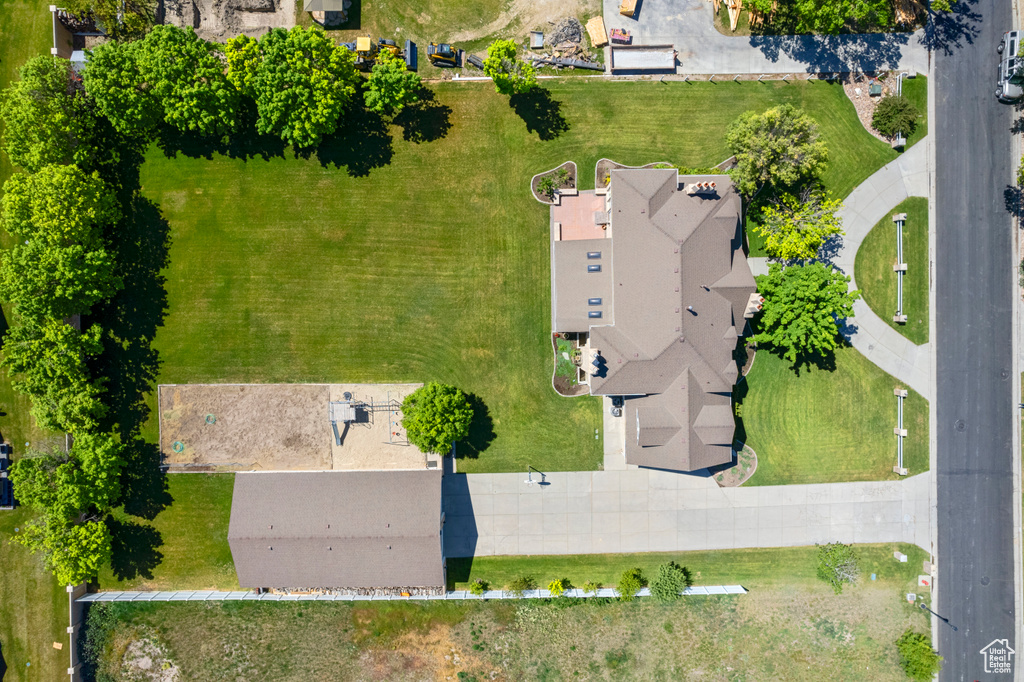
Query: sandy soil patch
{"points": [[528, 14], [283, 427]]}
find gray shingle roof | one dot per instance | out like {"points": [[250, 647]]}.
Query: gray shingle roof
{"points": [[681, 283], [574, 286], [356, 529]]}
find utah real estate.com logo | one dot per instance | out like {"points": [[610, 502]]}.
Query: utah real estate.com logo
{"points": [[998, 657]]}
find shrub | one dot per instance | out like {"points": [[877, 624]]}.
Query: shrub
{"points": [[478, 587], [558, 587], [435, 416], [837, 565], [562, 175], [917, 658], [546, 186], [630, 583], [670, 582], [895, 114], [590, 587], [520, 585]]}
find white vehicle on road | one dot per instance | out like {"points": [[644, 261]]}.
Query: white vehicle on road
{"points": [[1010, 77]]}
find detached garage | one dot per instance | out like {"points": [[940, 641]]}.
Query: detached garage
{"points": [[367, 532]]}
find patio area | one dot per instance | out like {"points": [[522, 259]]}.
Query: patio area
{"points": [[574, 218]]}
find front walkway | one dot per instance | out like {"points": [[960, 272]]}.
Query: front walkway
{"points": [[687, 24], [642, 510], [873, 200]]}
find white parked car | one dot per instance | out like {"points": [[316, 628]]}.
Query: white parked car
{"points": [[1010, 77]]}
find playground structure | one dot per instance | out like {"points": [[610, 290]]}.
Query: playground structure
{"points": [[349, 411]]}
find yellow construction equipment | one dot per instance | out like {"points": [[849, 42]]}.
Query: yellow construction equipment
{"points": [[443, 54], [366, 51]]}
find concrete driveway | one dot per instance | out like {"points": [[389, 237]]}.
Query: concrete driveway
{"points": [[641, 510], [687, 24]]}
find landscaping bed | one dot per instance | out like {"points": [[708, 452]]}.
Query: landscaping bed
{"points": [[741, 471], [545, 186], [606, 166], [567, 368], [914, 89]]}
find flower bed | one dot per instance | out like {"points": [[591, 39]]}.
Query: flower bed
{"points": [[545, 186], [567, 371]]}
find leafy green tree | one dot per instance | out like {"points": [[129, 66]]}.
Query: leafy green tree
{"points": [[186, 76], [917, 658], [300, 79], [837, 565], [47, 117], [778, 147], [81, 484], [795, 228], [895, 114], [436, 416], [114, 79], [59, 205], [802, 304], [669, 583], [391, 87], [74, 552], [478, 587], [558, 587], [45, 281], [121, 19], [48, 362], [835, 16], [591, 587], [630, 583], [510, 74]]}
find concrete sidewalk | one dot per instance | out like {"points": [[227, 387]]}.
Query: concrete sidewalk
{"points": [[688, 25], [641, 510], [873, 200]]}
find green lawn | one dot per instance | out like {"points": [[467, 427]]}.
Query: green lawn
{"points": [[827, 426], [430, 260], [875, 276], [33, 611], [752, 568], [916, 90], [33, 607], [191, 541]]}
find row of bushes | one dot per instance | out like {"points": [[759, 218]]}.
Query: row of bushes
{"points": [[667, 585]]}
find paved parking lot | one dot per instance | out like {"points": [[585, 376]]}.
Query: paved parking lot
{"points": [[640, 510]]}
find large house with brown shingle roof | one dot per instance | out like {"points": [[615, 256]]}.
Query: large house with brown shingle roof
{"points": [[650, 276]]}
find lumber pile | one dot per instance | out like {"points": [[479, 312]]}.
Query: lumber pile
{"points": [[734, 13], [596, 31]]}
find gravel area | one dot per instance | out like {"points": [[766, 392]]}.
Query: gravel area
{"points": [[856, 88]]}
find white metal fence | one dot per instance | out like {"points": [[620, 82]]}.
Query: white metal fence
{"points": [[244, 595]]}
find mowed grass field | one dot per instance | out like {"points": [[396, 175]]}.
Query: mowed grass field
{"points": [[790, 626], [826, 426], [875, 276], [395, 260]]}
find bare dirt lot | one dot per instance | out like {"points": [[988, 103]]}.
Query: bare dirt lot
{"points": [[275, 427], [222, 19]]}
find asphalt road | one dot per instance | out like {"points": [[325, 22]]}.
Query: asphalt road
{"points": [[975, 404]]}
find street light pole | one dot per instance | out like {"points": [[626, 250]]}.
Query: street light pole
{"points": [[944, 620]]}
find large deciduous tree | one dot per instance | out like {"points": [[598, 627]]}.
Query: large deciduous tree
{"points": [[801, 308], [436, 416], [301, 82], [114, 79], [895, 114], [779, 147], [510, 74], [121, 19], [795, 227], [74, 491], [186, 74], [47, 117], [48, 363], [391, 86], [835, 16], [60, 265]]}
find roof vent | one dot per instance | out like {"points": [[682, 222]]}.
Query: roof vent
{"points": [[270, 548], [593, 268]]}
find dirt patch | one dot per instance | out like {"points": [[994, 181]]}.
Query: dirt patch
{"points": [[274, 427], [563, 177], [219, 20], [145, 661], [524, 15], [857, 90], [739, 473]]}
